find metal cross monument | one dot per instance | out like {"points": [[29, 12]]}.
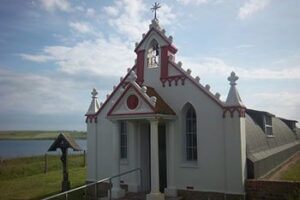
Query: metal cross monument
{"points": [[155, 7]]}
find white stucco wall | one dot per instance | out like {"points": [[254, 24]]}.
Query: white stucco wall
{"points": [[210, 172]]}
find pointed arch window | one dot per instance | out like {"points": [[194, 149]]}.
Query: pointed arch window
{"points": [[191, 134], [153, 54]]}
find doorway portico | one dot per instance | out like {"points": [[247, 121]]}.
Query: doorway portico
{"points": [[141, 104], [151, 132]]}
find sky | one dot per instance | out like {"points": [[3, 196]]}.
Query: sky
{"points": [[53, 52]]}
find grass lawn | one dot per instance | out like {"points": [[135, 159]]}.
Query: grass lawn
{"points": [[293, 172], [38, 135], [24, 178]]}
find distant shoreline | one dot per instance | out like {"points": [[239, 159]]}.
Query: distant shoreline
{"points": [[38, 135]]}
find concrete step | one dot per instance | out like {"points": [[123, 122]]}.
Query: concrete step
{"points": [[142, 196], [173, 198]]}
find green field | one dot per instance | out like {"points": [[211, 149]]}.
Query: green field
{"points": [[24, 178], [293, 172], [38, 135]]}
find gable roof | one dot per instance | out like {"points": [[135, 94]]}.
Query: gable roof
{"points": [[197, 84], [163, 36], [161, 106], [68, 141]]}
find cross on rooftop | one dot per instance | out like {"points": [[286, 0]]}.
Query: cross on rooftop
{"points": [[94, 93], [155, 7], [232, 78]]}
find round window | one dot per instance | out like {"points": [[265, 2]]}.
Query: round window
{"points": [[132, 102]]}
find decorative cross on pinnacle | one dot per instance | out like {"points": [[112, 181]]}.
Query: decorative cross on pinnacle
{"points": [[155, 7], [94, 93], [232, 79]]}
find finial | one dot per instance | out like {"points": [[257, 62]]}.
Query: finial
{"points": [[170, 38], [132, 76], [232, 79], [155, 7], [94, 93], [207, 87], [189, 71], [144, 89]]}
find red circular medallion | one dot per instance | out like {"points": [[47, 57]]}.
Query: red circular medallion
{"points": [[132, 102]]}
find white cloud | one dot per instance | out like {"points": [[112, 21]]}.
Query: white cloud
{"points": [[218, 67], [282, 104], [127, 17], [38, 94], [111, 11], [81, 27], [100, 56], [36, 58], [90, 12], [252, 6], [52, 5], [194, 2], [166, 15]]}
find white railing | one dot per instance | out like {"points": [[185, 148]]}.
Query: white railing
{"points": [[85, 187]]}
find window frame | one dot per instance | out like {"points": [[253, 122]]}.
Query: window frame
{"points": [[268, 126], [123, 144], [190, 134]]}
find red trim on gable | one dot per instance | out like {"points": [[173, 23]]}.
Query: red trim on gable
{"points": [[164, 70], [90, 118], [122, 95], [172, 49], [241, 111], [114, 91], [133, 114], [171, 79], [159, 33], [140, 66], [198, 85]]}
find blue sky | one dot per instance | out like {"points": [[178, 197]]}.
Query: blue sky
{"points": [[53, 52]]}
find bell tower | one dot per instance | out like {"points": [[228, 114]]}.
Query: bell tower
{"points": [[154, 50]]}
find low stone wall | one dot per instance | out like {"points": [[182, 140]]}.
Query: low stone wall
{"points": [[272, 190]]}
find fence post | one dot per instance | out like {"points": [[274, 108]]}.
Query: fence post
{"points": [[45, 163]]}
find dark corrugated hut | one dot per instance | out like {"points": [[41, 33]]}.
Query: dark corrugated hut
{"points": [[269, 142]]}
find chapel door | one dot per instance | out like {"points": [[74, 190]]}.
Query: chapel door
{"points": [[145, 156], [162, 157]]}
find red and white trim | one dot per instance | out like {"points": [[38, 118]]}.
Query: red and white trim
{"points": [[122, 96], [232, 109]]}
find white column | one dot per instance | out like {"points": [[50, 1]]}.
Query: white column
{"points": [[154, 194], [171, 189], [116, 191]]}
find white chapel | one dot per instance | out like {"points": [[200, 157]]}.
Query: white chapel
{"points": [[183, 137]]}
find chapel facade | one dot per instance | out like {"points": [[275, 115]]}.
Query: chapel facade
{"points": [[184, 138]]}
